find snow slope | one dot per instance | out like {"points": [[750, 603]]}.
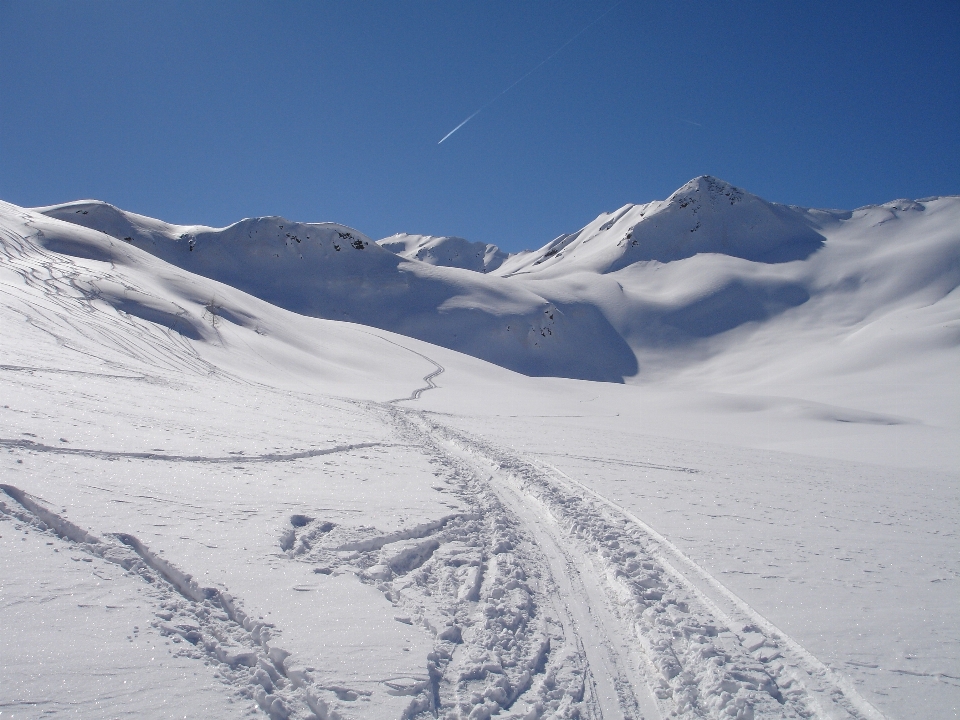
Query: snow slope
{"points": [[286, 516], [446, 251], [707, 215], [330, 271], [712, 271]]}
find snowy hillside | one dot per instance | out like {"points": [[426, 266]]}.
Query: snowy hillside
{"points": [[706, 215], [330, 271], [218, 499], [446, 251], [711, 272]]}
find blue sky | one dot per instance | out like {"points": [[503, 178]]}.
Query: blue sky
{"points": [[207, 112]]}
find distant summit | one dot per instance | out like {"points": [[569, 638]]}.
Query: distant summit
{"points": [[706, 215], [446, 251]]}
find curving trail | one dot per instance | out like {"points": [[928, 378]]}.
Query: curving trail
{"points": [[428, 378], [222, 459]]}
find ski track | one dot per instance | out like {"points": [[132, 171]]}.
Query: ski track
{"points": [[627, 463], [31, 370], [475, 581], [820, 678], [648, 639], [64, 307], [616, 675], [232, 459], [428, 378], [545, 599], [205, 623]]}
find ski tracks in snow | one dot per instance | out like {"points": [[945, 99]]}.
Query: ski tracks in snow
{"points": [[206, 623], [471, 579], [428, 378], [649, 633], [544, 598], [819, 679], [234, 459], [67, 300]]}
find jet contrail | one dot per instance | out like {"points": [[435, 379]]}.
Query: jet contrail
{"points": [[461, 124], [531, 72]]}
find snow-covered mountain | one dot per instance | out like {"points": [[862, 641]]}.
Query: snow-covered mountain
{"points": [[334, 272], [706, 215], [210, 482], [642, 290]]}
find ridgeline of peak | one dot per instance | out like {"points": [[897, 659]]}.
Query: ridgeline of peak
{"points": [[708, 262], [706, 215]]}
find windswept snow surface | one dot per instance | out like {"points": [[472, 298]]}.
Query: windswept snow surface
{"points": [[217, 501]]}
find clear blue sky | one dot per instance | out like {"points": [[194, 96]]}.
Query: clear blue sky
{"points": [[207, 112]]}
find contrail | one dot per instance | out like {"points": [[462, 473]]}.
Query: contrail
{"points": [[531, 72], [462, 124]]}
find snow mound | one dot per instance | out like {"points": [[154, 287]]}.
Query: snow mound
{"points": [[446, 251]]}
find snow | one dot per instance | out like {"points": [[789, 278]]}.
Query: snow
{"points": [[447, 251], [281, 470], [706, 215]]}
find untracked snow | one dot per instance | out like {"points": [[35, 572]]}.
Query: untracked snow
{"points": [[281, 470], [446, 251]]}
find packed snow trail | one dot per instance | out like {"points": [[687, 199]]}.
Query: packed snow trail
{"points": [[616, 673], [651, 642]]}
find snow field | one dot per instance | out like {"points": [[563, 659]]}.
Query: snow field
{"points": [[290, 517]]}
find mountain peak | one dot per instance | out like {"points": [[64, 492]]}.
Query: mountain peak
{"points": [[705, 215], [711, 187]]}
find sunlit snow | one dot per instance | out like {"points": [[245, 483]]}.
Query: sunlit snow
{"points": [[696, 460]]}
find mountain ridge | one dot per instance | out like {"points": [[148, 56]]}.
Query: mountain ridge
{"points": [[643, 290]]}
